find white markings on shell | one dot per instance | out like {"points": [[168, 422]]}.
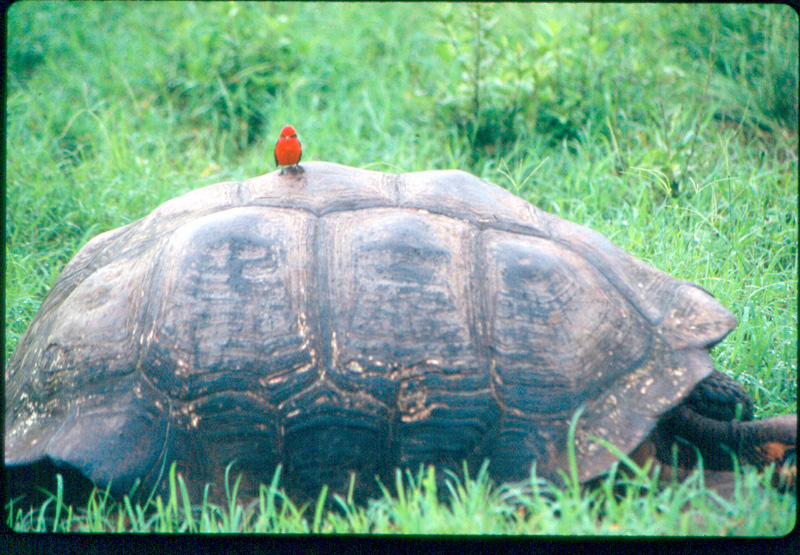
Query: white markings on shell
{"points": [[181, 367], [354, 366], [275, 380]]}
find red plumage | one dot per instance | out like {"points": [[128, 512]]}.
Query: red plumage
{"points": [[288, 150]]}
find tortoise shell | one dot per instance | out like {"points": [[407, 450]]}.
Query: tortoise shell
{"points": [[342, 321]]}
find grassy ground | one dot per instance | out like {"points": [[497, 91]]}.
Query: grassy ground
{"points": [[412, 505], [671, 129]]}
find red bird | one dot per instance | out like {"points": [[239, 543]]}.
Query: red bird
{"points": [[288, 150]]}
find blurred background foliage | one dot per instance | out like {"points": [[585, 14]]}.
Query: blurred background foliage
{"points": [[492, 74]]}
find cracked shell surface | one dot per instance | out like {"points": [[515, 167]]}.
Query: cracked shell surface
{"points": [[343, 321]]}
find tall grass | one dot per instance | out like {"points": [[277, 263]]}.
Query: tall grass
{"points": [[415, 504]]}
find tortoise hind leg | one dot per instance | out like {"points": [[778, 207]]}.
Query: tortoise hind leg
{"points": [[700, 424], [758, 443], [720, 397], [706, 423]]}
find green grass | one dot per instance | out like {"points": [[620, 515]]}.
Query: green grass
{"points": [[670, 129], [414, 504]]}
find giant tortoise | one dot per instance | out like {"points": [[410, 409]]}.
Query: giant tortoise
{"points": [[339, 321]]}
